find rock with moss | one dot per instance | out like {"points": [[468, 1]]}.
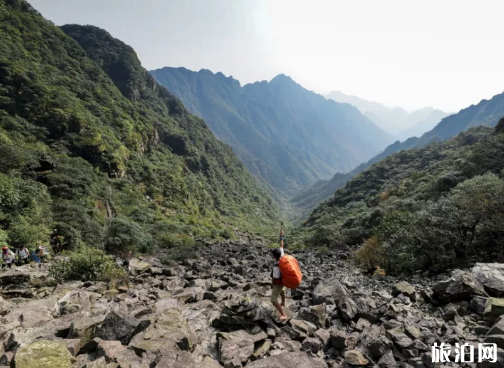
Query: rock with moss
{"points": [[44, 354]]}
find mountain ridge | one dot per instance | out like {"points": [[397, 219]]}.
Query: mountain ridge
{"points": [[395, 120], [486, 112], [285, 134]]}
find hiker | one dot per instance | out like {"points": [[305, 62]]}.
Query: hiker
{"points": [[35, 256], [8, 257], [285, 274], [56, 242], [278, 289], [23, 255], [42, 253]]}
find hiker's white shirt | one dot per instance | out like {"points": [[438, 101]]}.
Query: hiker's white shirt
{"points": [[22, 253], [276, 270], [8, 257]]}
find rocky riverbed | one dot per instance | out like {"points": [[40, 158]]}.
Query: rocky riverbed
{"points": [[214, 311]]}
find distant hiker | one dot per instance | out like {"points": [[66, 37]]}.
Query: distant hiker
{"points": [[56, 242], [124, 261], [8, 257], [42, 253], [23, 255], [35, 256]]}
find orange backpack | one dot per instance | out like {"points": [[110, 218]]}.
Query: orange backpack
{"points": [[291, 273]]}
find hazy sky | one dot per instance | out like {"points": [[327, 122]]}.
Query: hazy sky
{"points": [[442, 53]]}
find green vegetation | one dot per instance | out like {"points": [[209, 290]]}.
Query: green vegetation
{"points": [[286, 135], [432, 208], [88, 264], [91, 145], [487, 113]]}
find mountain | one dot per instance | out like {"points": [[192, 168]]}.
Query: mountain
{"points": [[424, 208], [91, 145], [288, 136], [422, 126], [395, 121], [486, 113]]}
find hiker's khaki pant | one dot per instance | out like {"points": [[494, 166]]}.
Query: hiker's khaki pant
{"points": [[278, 290]]}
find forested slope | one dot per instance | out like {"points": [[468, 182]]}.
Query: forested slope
{"points": [[425, 208], [91, 145]]}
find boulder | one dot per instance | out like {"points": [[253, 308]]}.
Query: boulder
{"points": [[44, 354], [14, 276], [163, 305], [166, 332], [347, 309], [238, 344], [312, 344], [324, 336], [338, 338], [138, 267], [118, 326], [303, 327], [329, 291], [288, 360], [497, 328], [75, 300], [460, 287], [261, 350], [379, 346], [494, 308], [491, 276], [355, 357], [406, 289], [85, 328], [387, 360], [398, 336], [315, 314]]}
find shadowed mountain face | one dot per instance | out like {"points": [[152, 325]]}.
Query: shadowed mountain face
{"points": [[396, 121], [285, 134], [486, 113], [92, 145]]}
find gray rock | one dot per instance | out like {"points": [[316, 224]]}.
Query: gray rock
{"points": [[497, 328], [355, 358], [387, 360], [323, 336], [406, 289], [379, 346], [460, 287], [491, 276], [238, 344], [118, 326], [288, 360], [347, 309], [315, 314], [399, 338], [311, 344], [338, 338], [329, 291], [494, 308]]}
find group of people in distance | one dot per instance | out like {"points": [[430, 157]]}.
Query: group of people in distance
{"points": [[22, 256]]}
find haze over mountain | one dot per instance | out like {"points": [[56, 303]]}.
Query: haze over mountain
{"points": [[285, 134], [486, 113], [396, 121]]}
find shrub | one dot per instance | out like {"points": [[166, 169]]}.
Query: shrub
{"points": [[123, 235], [371, 256], [87, 264]]}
